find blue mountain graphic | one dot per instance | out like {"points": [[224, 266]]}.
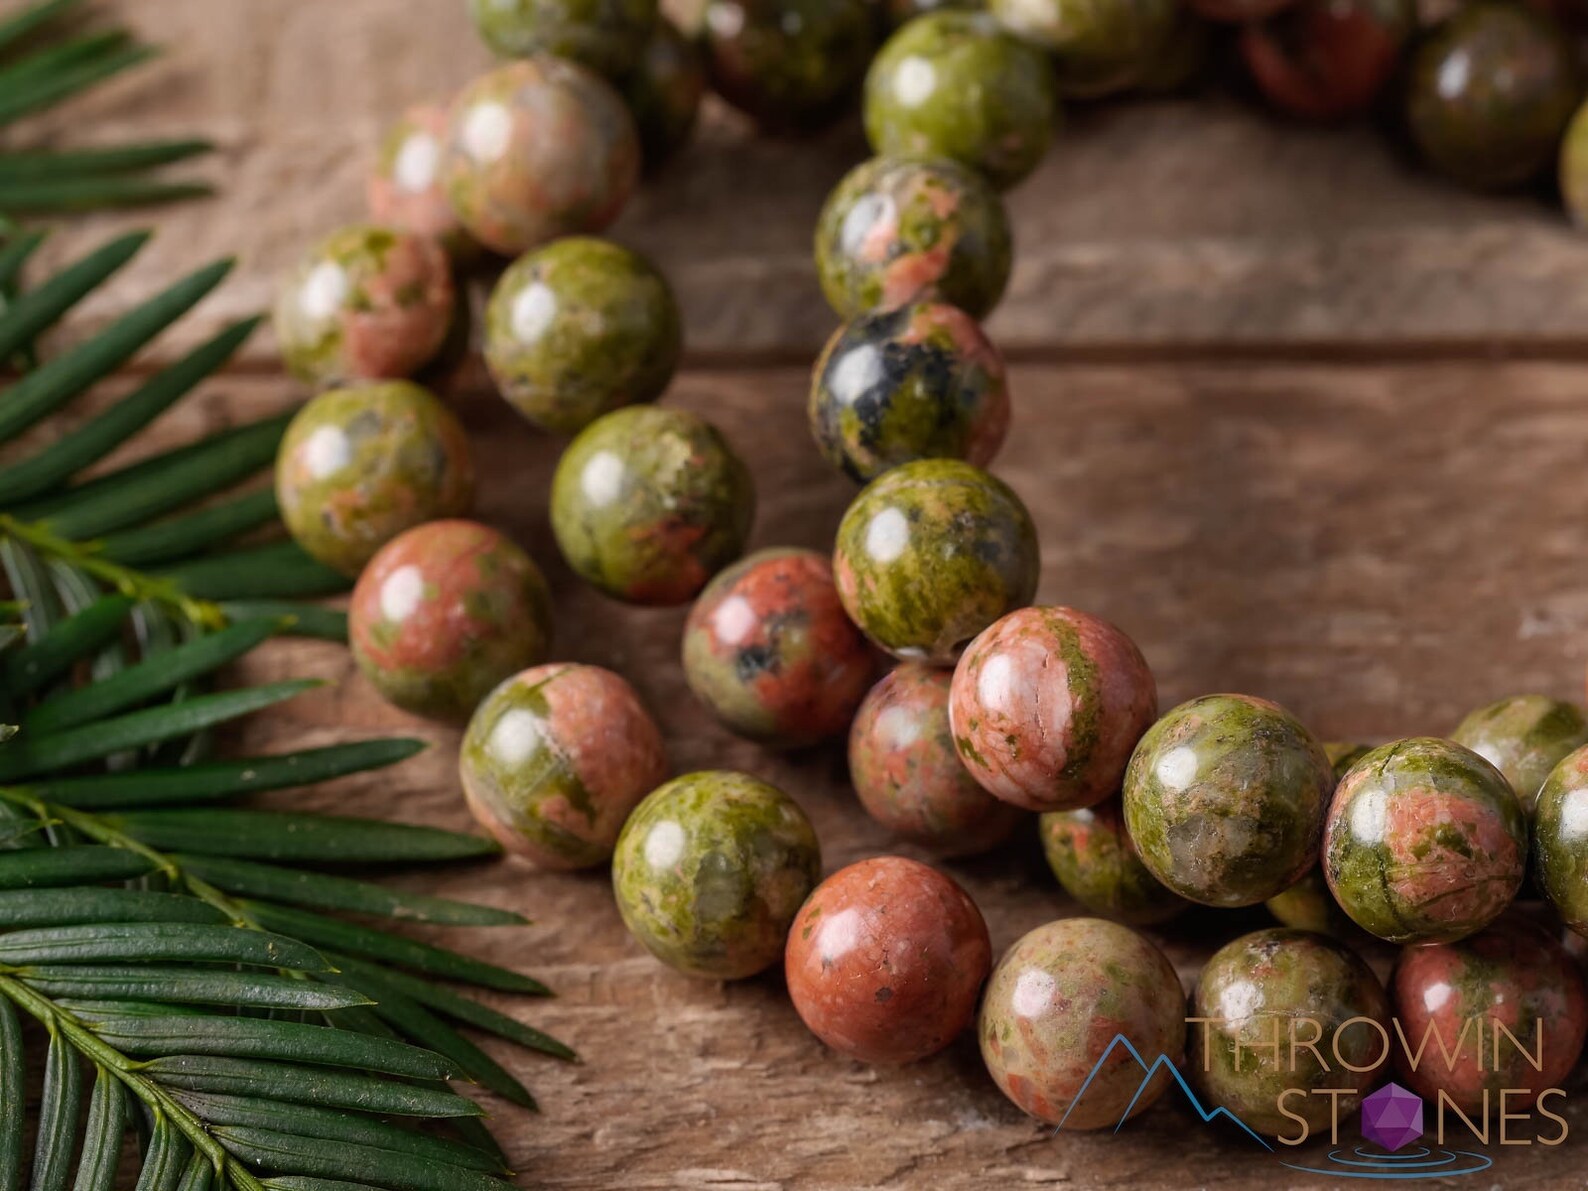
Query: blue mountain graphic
{"points": [[1149, 1072]]}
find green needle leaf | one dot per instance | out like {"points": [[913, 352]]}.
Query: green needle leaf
{"points": [[260, 572], [275, 836], [26, 757], [30, 586], [107, 1120], [309, 1085], [444, 1000], [36, 88], [329, 1125], [253, 1038], [13, 1097], [180, 537], [136, 684], [32, 18], [365, 942], [145, 491], [414, 1021], [271, 1150], [85, 865], [69, 642], [213, 780], [165, 1160], [144, 942], [322, 892], [15, 254], [65, 907], [199, 1175], [53, 384], [195, 986], [92, 193], [307, 620], [39, 308], [95, 439], [63, 1091], [78, 163]]}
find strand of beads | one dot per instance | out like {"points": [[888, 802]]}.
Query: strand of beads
{"points": [[997, 710]]}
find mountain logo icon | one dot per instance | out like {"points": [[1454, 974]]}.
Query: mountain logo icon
{"points": [[1149, 1072]]}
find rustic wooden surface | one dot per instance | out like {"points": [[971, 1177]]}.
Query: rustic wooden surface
{"points": [[1255, 422]]}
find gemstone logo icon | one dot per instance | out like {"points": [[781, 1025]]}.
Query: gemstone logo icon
{"points": [[1392, 1117]]}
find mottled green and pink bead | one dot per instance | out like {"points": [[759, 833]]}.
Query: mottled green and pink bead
{"points": [[791, 65], [768, 649], [1425, 842], [1560, 840], [1047, 705], [1225, 797], [1274, 986], [907, 774], [648, 504], [1524, 737], [930, 553], [1098, 46], [443, 613], [955, 84], [538, 149], [404, 189], [360, 465], [1489, 93], [711, 870], [605, 35], [579, 328], [664, 91], [1090, 853], [554, 760], [1055, 1004], [1308, 904], [898, 230], [1458, 997], [920, 382], [365, 303]]}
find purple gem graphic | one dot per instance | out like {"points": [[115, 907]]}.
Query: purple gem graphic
{"points": [[1392, 1117]]}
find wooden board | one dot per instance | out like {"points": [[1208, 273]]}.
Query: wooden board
{"points": [[1159, 225], [1380, 548], [1367, 520]]}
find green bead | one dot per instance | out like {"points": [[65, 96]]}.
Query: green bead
{"points": [[930, 554], [1091, 854], [1286, 987], [664, 91], [1560, 840], [648, 504], [954, 84], [365, 303], [1489, 93], [1425, 842], [921, 382], [579, 328], [711, 869], [1098, 46], [791, 65], [605, 35], [1524, 737], [1225, 797], [897, 230], [358, 466]]}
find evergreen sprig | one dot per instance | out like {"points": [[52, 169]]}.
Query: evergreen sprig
{"points": [[45, 60], [184, 961]]}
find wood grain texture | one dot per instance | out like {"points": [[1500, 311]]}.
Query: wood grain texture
{"points": [[1161, 224], [1379, 548]]}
